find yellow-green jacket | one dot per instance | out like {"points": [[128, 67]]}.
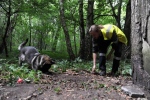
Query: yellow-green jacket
{"points": [[112, 32]]}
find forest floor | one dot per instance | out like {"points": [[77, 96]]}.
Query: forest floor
{"points": [[70, 85]]}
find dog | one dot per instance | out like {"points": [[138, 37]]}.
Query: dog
{"points": [[37, 61]]}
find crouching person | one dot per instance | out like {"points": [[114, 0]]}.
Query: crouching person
{"points": [[103, 36]]}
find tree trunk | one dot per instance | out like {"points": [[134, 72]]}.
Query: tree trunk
{"points": [[64, 26], [88, 39], [140, 40], [11, 28], [30, 30], [41, 41], [127, 26], [10, 43], [127, 30], [116, 16], [74, 38], [82, 30], [4, 44], [55, 39]]}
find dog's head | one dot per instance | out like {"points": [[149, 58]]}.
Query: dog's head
{"points": [[46, 63], [48, 60]]}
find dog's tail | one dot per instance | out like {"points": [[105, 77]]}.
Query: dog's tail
{"points": [[22, 44]]}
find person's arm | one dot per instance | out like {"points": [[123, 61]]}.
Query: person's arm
{"points": [[94, 62], [95, 50]]}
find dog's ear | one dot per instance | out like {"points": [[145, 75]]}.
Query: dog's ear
{"points": [[27, 40], [36, 54], [53, 61]]}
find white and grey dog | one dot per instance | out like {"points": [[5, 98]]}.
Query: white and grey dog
{"points": [[36, 60]]}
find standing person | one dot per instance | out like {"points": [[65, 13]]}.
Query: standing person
{"points": [[103, 36]]}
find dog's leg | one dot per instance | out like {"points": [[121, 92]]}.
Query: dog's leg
{"points": [[20, 62], [34, 66], [21, 59]]}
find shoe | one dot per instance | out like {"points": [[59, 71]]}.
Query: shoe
{"points": [[113, 74], [102, 73]]}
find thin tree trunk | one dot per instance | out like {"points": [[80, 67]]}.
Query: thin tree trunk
{"points": [[30, 30], [41, 41], [74, 38], [119, 14], [11, 28], [127, 26], [55, 39], [82, 30], [64, 26], [126, 53], [10, 45], [88, 39], [4, 44], [116, 16], [54, 45]]}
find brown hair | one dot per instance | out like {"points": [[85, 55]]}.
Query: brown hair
{"points": [[95, 28]]}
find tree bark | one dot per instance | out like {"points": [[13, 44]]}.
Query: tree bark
{"points": [[56, 36], [65, 29], [74, 38], [140, 46], [55, 40], [4, 44], [116, 16], [127, 30], [30, 30], [11, 28], [82, 30], [88, 39]]}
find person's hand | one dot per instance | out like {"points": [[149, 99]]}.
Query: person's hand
{"points": [[108, 56], [93, 69]]}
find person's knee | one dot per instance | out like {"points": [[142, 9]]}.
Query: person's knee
{"points": [[117, 53], [102, 59]]}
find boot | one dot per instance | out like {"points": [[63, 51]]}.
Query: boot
{"points": [[115, 66], [102, 66], [102, 73]]}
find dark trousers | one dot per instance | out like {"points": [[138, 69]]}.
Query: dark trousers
{"points": [[117, 54]]}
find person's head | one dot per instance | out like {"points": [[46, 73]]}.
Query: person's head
{"points": [[95, 31]]}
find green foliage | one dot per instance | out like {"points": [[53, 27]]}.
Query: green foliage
{"points": [[11, 72], [75, 65], [41, 20], [78, 64], [101, 85], [125, 68], [55, 55], [57, 90]]}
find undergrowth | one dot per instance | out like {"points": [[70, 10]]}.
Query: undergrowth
{"points": [[10, 71]]}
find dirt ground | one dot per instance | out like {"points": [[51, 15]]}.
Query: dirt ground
{"points": [[69, 86]]}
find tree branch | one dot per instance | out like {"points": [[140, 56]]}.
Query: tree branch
{"points": [[3, 8], [102, 15], [119, 8], [119, 13], [113, 10]]}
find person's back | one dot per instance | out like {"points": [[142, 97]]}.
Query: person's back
{"points": [[109, 30]]}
